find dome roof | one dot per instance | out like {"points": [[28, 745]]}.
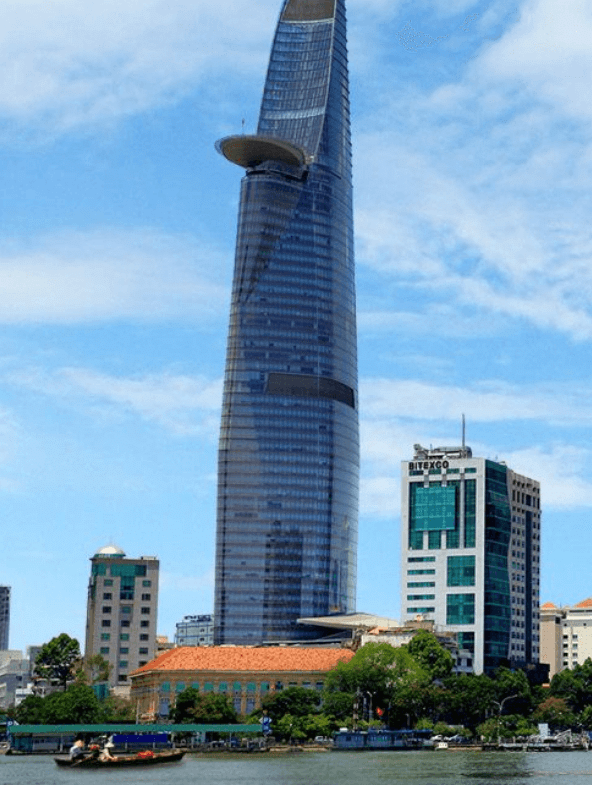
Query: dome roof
{"points": [[110, 550]]}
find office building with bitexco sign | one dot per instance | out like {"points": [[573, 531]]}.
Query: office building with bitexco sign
{"points": [[288, 467], [471, 554]]}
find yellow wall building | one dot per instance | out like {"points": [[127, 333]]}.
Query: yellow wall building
{"points": [[244, 674]]}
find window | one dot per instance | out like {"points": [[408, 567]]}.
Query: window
{"points": [[146, 583], [105, 636], [460, 609], [144, 624], [145, 610], [104, 650], [124, 623], [107, 595], [106, 623], [126, 608], [106, 609], [144, 637], [461, 571], [107, 582], [146, 597], [123, 663], [165, 686], [124, 636], [122, 677], [143, 650], [127, 570], [123, 650]]}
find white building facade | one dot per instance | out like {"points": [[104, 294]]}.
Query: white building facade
{"points": [[471, 554]]}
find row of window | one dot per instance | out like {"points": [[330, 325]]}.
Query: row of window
{"points": [[123, 623], [238, 687], [106, 636]]}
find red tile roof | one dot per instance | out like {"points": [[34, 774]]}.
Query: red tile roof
{"points": [[548, 606], [246, 658], [585, 603]]}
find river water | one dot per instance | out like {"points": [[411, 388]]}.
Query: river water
{"points": [[316, 768]]}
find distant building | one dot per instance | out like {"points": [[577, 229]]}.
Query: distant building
{"points": [[242, 673], [471, 554], [121, 612], [566, 635], [195, 631], [361, 628], [4, 617], [14, 674]]}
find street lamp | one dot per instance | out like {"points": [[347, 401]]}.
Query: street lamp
{"points": [[500, 706]]}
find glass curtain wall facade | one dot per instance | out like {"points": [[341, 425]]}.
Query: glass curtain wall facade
{"points": [[289, 454], [471, 554]]}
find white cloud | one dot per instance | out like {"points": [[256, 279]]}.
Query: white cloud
{"points": [[76, 277], [548, 53], [69, 63], [181, 404]]}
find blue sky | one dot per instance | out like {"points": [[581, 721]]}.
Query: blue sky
{"points": [[472, 134]]}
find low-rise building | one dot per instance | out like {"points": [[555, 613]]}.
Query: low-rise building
{"points": [[244, 674], [195, 631]]}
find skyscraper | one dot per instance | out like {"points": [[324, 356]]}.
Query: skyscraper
{"points": [[4, 616], [121, 612], [471, 553], [289, 454]]}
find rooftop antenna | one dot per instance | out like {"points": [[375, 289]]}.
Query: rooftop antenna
{"points": [[463, 432], [243, 125]]}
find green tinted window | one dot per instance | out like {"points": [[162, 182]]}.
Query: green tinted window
{"points": [[461, 571], [432, 508], [460, 609], [470, 512], [434, 540]]}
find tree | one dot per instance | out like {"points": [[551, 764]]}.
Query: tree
{"points": [[206, 709], [184, 705], [57, 659], [380, 676], [574, 686], [76, 705], [96, 668], [467, 699], [30, 711], [555, 712], [296, 701], [433, 658]]}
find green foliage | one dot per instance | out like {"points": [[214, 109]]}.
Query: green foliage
{"points": [[296, 701], [433, 658], [96, 668], [555, 712], [339, 705], [30, 711], [78, 704], [574, 686], [377, 670], [199, 708], [467, 699], [57, 659], [184, 705], [513, 688]]}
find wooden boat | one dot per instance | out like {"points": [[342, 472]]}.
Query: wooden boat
{"points": [[139, 759]]}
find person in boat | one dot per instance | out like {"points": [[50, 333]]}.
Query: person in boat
{"points": [[77, 750], [106, 751]]}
